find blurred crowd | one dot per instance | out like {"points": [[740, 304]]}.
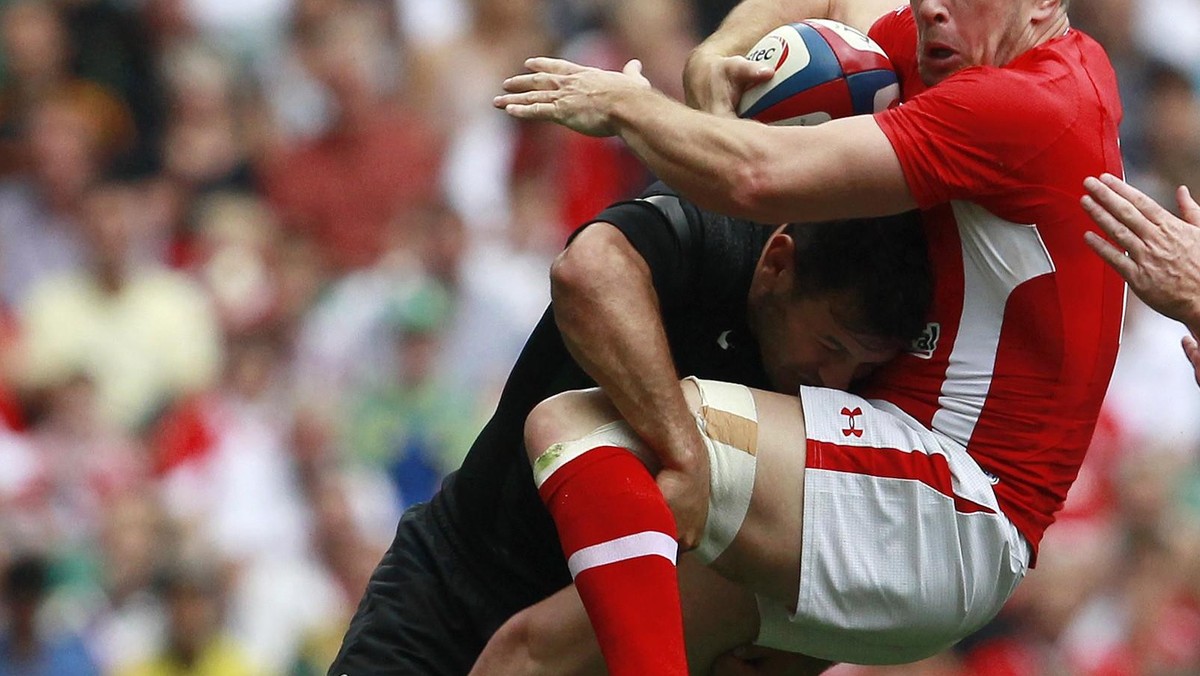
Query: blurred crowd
{"points": [[265, 264]]}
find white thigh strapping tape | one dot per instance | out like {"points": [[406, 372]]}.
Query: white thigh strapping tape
{"points": [[728, 421]]}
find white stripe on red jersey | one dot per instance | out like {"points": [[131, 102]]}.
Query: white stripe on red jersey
{"points": [[998, 256]]}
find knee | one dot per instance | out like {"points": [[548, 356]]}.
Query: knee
{"points": [[566, 417], [515, 649], [548, 423], [508, 650]]}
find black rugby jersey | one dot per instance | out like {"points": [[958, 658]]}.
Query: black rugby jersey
{"points": [[701, 264]]}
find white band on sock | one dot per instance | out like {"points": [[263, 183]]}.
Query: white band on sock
{"points": [[646, 543]]}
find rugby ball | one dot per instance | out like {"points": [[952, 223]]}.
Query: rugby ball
{"points": [[823, 70]]}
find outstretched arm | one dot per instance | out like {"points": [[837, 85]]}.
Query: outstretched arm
{"points": [[841, 169], [1163, 262]]}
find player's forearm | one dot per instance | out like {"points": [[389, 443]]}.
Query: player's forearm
{"points": [[608, 314], [844, 168]]}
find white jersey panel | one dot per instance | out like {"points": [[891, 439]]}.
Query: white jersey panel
{"points": [[998, 256]]}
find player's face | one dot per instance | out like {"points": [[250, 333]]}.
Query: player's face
{"points": [[957, 34], [808, 341]]}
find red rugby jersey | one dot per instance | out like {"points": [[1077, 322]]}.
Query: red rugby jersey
{"points": [[1026, 320]]}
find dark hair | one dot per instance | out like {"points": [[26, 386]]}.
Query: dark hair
{"points": [[882, 261]]}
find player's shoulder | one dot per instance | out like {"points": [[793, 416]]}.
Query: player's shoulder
{"points": [[894, 24], [698, 229], [688, 221], [1037, 92]]}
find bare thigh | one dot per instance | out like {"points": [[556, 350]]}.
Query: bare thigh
{"points": [[765, 554]]}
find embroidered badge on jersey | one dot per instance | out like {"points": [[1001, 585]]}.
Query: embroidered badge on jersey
{"points": [[925, 345]]}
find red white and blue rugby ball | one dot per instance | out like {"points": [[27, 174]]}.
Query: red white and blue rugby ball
{"points": [[823, 70]]}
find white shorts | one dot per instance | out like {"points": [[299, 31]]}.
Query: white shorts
{"points": [[904, 551]]}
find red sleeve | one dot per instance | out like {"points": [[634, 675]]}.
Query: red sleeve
{"points": [[972, 135], [896, 33]]}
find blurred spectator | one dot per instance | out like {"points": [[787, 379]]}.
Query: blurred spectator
{"points": [[1142, 618], [111, 46], [144, 335], [27, 647], [350, 557], [1170, 151], [1036, 634], [459, 78], [168, 22], [1169, 31], [428, 24], [203, 149], [130, 618], [1172, 133], [197, 644], [225, 453], [500, 286], [243, 29], [348, 519], [300, 278], [409, 422], [234, 252], [37, 54], [342, 341], [298, 107], [35, 61], [40, 208], [376, 161], [295, 633], [1145, 373], [19, 489], [82, 463]]}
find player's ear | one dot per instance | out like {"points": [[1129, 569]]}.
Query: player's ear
{"points": [[779, 258], [1044, 10]]}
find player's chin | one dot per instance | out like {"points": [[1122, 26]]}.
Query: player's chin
{"points": [[933, 71]]}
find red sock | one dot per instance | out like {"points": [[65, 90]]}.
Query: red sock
{"points": [[614, 524]]}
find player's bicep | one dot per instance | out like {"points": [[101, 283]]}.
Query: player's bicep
{"points": [[844, 168], [600, 246], [636, 236]]}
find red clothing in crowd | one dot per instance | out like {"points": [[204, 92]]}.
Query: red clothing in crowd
{"points": [[346, 189]]}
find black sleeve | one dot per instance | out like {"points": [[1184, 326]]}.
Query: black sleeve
{"points": [[665, 237], [689, 251]]}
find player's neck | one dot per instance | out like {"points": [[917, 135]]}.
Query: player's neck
{"points": [[1053, 28]]}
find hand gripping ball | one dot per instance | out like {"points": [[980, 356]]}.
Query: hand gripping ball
{"points": [[823, 70]]}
